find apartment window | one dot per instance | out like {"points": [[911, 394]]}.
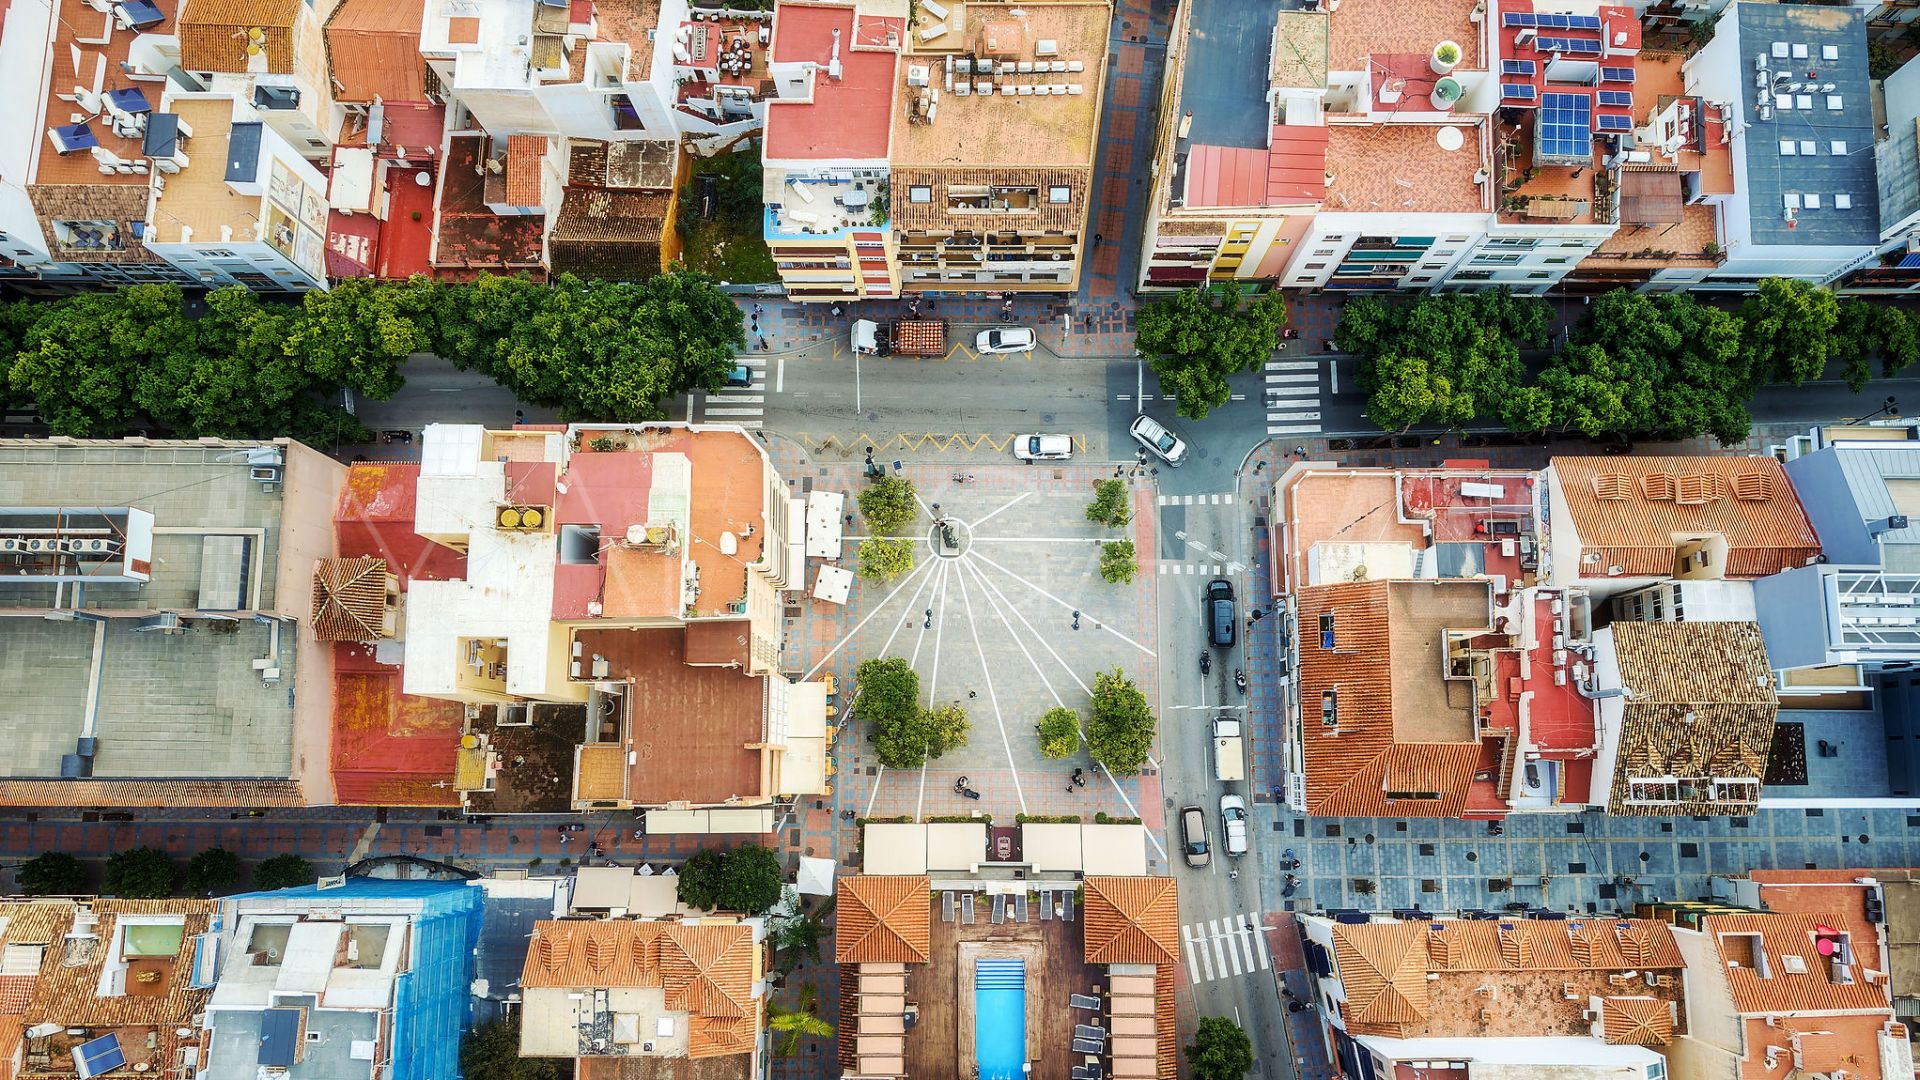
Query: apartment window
{"points": [[1474, 275], [1326, 631], [1431, 795], [1838, 147], [1521, 242], [1330, 708], [1558, 262], [1497, 260], [1539, 275], [920, 193], [1314, 266]]}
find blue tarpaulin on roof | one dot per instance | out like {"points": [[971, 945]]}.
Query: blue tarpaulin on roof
{"points": [[279, 1035]]}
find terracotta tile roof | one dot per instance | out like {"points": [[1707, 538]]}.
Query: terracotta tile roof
{"points": [[933, 213], [1166, 1030], [1131, 920], [1784, 990], [523, 169], [214, 34], [373, 48], [37, 922], [1639, 1021], [706, 970], [1703, 706], [616, 235], [349, 599], [1626, 512], [1399, 727], [67, 992], [16, 991], [883, 920], [1383, 969]]}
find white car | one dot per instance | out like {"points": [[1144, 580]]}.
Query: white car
{"points": [[1155, 436], [1004, 339], [1233, 824], [1043, 447]]}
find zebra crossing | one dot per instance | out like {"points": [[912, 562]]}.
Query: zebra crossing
{"points": [[1293, 397], [1203, 569], [1226, 948], [742, 405], [1217, 498]]}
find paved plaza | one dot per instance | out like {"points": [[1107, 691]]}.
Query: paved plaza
{"points": [[992, 629]]}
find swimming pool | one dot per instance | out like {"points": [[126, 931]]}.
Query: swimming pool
{"points": [[1000, 1017]]}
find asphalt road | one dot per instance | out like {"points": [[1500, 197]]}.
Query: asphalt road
{"points": [[1227, 966]]}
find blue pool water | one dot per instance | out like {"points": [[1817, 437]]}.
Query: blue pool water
{"points": [[1000, 1017]]}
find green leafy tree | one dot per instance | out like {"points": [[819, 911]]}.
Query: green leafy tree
{"points": [[1446, 360], [798, 939], [359, 332], [1787, 330], [52, 873], [1117, 562], [1865, 331], [884, 558], [889, 504], [1060, 733], [213, 870], [142, 873], [751, 879], [701, 879], [925, 734], [1220, 1050], [491, 1051], [1196, 339], [1653, 365], [1120, 732], [1112, 504], [283, 872], [82, 360]]}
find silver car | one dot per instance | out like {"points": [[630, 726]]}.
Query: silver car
{"points": [[1158, 439], [1193, 837], [1233, 824]]}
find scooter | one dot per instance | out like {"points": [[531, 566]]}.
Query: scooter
{"points": [[1240, 680], [1206, 663]]}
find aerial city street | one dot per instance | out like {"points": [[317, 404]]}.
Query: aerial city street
{"points": [[960, 539]]}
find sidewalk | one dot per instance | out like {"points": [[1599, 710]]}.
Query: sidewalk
{"points": [[1306, 1036]]}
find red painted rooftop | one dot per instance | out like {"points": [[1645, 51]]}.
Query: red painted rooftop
{"points": [[1619, 38], [1291, 170], [849, 118]]}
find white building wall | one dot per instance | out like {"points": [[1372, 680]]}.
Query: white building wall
{"points": [[1332, 236]]}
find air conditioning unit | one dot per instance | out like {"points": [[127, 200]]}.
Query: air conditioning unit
{"points": [[266, 474], [13, 544]]}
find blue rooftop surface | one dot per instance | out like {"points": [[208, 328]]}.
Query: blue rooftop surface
{"points": [[1224, 87], [1822, 45]]}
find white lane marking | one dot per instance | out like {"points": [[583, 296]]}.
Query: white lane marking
{"points": [[1301, 377], [1243, 937], [1291, 415], [986, 671], [1293, 429], [1016, 577], [1260, 935], [1219, 950], [1293, 365], [838, 645], [736, 399], [780, 375], [748, 411]]}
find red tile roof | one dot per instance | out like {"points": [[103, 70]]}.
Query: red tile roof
{"points": [[1626, 512], [1783, 990], [1398, 728], [1132, 920], [1292, 169], [882, 920], [523, 169]]}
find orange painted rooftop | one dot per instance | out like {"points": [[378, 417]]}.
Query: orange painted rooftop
{"points": [[1356, 506], [72, 21], [1402, 168], [849, 117], [1364, 27]]}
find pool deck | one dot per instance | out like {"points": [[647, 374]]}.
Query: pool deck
{"points": [[943, 988]]}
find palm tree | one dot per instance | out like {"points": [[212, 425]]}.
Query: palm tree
{"points": [[793, 1023]]}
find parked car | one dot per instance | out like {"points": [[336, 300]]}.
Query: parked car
{"points": [[1004, 339], [1193, 837], [1156, 437], [1233, 824], [740, 376], [1043, 447], [1218, 606]]}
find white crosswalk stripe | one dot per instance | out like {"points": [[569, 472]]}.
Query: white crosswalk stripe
{"points": [[1293, 397], [1216, 498], [1207, 569], [742, 405], [1226, 948]]}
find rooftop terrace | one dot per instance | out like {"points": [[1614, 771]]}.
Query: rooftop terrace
{"points": [[87, 50], [848, 117], [1223, 86], [998, 128], [1404, 168], [1364, 27]]}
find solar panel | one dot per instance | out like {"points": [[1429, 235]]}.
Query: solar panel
{"points": [[1585, 22], [1566, 125], [1549, 44], [1614, 123], [1518, 18], [96, 1056], [1616, 97], [1616, 74], [1574, 45], [1516, 67], [1516, 92], [1554, 22]]}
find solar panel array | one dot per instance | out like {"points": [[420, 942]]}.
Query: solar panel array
{"points": [[1517, 92], [1550, 22], [1516, 67], [1566, 125], [1576, 46], [1618, 98], [1614, 123], [1616, 74]]}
